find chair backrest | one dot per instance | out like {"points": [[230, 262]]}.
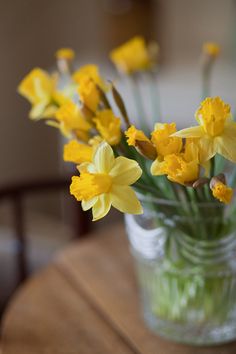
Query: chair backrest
{"points": [[16, 194]]}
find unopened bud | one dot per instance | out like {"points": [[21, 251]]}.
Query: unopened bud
{"points": [[200, 182], [216, 179]]}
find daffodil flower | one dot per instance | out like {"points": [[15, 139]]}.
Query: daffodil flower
{"points": [[212, 49], [106, 182], [89, 71], [132, 56], [71, 122], [216, 133], [77, 152], [133, 135], [222, 192], [143, 145], [39, 88], [65, 54], [182, 168], [109, 126]]}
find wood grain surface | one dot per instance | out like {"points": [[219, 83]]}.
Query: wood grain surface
{"points": [[86, 302]]}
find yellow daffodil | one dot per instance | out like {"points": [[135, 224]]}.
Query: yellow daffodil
{"points": [[182, 168], [106, 182], [216, 133], [133, 135], [65, 53], [39, 88], [212, 49], [132, 56], [143, 145], [77, 152], [89, 94], [70, 121], [89, 81], [89, 71], [164, 143], [109, 126], [222, 192]]}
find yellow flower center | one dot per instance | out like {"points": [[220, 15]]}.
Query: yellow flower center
{"points": [[222, 192], [212, 115], [89, 185]]}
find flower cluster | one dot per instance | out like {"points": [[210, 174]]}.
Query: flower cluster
{"points": [[110, 153]]}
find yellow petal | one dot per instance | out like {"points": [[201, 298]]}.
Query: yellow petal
{"points": [[157, 168], [207, 148], [125, 200], [125, 171], [104, 158], [230, 130], [77, 152], [226, 146], [87, 167], [37, 110], [87, 204], [101, 207], [192, 132]]}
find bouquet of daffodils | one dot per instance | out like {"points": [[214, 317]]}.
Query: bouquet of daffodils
{"points": [[185, 169], [111, 153]]}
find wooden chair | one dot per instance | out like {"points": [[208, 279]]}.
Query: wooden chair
{"points": [[16, 194]]}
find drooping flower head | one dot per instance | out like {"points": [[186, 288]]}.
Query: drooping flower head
{"points": [[109, 126], [133, 135], [140, 141], [132, 56], [216, 132], [90, 83], [71, 122], [106, 182]]}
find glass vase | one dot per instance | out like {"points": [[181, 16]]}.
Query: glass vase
{"points": [[185, 257]]}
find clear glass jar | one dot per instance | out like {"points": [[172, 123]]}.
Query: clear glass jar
{"points": [[185, 256]]}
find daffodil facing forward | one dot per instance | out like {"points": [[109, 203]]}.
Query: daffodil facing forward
{"points": [[182, 168], [106, 182], [216, 131]]}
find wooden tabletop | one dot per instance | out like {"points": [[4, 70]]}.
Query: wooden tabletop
{"points": [[86, 302]]}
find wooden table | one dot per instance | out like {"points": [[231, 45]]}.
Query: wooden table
{"points": [[86, 302]]}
